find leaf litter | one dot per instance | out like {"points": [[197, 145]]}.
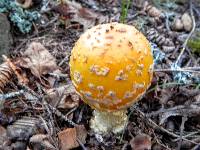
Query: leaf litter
{"points": [[156, 122]]}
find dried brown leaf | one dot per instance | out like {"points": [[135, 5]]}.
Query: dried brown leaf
{"points": [[141, 142], [38, 59], [41, 140], [65, 95], [74, 12], [69, 137]]}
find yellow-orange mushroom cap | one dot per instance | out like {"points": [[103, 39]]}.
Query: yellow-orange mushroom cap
{"points": [[111, 66]]}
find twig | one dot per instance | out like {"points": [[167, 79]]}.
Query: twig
{"points": [[11, 95], [53, 109], [154, 125], [81, 144], [64, 60], [187, 135], [167, 21], [189, 35], [184, 119], [59, 114], [58, 75], [178, 70]]}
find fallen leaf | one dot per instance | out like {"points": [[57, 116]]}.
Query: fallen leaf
{"points": [[38, 59], [65, 94], [69, 137], [141, 142], [3, 136], [41, 141], [74, 12]]}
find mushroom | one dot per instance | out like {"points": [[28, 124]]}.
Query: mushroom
{"points": [[111, 67]]}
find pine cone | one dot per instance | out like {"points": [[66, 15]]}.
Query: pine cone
{"points": [[5, 75]]}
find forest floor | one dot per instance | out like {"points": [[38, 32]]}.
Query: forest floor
{"points": [[39, 107]]}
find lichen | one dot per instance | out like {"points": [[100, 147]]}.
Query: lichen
{"points": [[21, 18], [181, 77], [158, 55]]}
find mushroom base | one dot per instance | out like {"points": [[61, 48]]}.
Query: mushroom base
{"points": [[105, 122]]}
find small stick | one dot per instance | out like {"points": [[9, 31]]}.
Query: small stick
{"points": [[154, 125], [11, 95], [184, 119], [177, 70], [190, 34]]}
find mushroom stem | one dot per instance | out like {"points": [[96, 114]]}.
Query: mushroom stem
{"points": [[104, 122]]}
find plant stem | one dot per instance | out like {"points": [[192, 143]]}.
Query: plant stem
{"points": [[124, 10]]}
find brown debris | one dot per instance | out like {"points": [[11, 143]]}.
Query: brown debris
{"points": [[65, 97], [21, 79], [5, 75], [74, 12], [27, 3], [154, 36], [69, 137], [3, 137], [152, 10], [39, 141], [141, 142], [38, 59]]}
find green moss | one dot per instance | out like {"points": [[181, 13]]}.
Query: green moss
{"points": [[124, 10], [194, 44]]}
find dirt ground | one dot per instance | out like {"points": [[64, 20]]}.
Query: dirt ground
{"points": [[39, 107]]}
